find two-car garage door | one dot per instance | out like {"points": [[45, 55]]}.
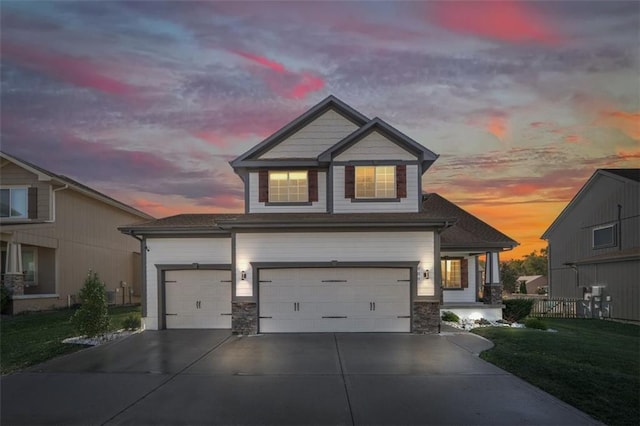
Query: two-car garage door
{"points": [[334, 300]]}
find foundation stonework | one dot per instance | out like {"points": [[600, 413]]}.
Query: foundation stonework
{"points": [[244, 319], [15, 283], [426, 318], [492, 294]]}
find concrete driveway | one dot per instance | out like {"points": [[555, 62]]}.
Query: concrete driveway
{"points": [[195, 377]]}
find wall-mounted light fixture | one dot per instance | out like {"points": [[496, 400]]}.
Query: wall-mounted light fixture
{"points": [[243, 275], [426, 274]]}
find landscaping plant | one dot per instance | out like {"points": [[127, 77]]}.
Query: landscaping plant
{"points": [[5, 299], [516, 309], [92, 318], [536, 323], [131, 322], [450, 317]]}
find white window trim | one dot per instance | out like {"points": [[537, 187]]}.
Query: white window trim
{"points": [[288, 172], [11, 187], [375, 183], [613, 227]]}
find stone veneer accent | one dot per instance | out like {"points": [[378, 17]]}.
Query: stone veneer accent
{"points": [[426, 318], [492, 294], [244, 317], [15, 283]]}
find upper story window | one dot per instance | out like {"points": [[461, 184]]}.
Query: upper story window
{"points": [[604, 236], [13, 202], [375, 181], [288, 186]]}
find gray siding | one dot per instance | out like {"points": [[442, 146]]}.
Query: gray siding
{"points": [[571, 241]]}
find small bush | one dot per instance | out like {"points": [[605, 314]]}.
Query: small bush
{"points": [[536, 323], [523, 288], [5, 299], [483, 321], [131, 322], [516, 309], [92, 318], [450, 317]]}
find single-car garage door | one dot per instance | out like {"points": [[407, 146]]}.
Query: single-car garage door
{"points": [[198, 299], [334, 300]]}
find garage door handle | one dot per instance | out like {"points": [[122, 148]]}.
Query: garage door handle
{"points": [[225, 314], [335, 316], [404, 316], [266, 317], [171, 314]]}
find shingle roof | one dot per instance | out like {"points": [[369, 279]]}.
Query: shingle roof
{"points": [[633, 174], [461, 229], [469, 231]]}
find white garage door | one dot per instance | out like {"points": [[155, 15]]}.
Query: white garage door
{"points": [[198, 299], [334, 300]]}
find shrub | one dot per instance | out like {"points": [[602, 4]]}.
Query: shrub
{"points": [[92, 318], [5, 299], [516, 309], [536, 323], [523, 288], [131, 322], [450, 316]]}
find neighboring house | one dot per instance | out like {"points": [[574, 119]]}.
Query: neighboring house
{"points": [[336, 236], [533, 283], [54, 230], [595, 242]]}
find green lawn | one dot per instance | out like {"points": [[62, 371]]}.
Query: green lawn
{"points": [[593, 365], [34, 337]]}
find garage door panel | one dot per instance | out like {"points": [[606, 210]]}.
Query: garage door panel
{"points": [[198, 299], [334, 300]]}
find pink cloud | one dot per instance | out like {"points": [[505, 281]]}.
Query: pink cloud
{"points": [[497, 126], [70, 69], [507, 20], [211, 137], [627, 122], [284, 82]]}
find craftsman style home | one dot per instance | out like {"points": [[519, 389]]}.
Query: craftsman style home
{"points": [[337, 236], [594, 244], [54, 230]]}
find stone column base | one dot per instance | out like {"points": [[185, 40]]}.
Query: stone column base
{"points": [[426, 318], [492, 294], [244, 318], [15, 283]]}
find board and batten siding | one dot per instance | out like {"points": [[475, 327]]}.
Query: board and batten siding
{"points": [[375, 147], [466, 295], [173, 251], [256, 206], [15, 176], [314, 138], [345, 205], [329, 246]]}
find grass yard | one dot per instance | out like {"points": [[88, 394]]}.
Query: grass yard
{"points": [[34, 337], [593, 365]]}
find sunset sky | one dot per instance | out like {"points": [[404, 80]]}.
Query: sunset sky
{"points": [[147, 101]]}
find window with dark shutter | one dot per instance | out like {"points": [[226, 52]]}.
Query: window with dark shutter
{"points": [[33, 203], [349, 182], [401, 181], [313, 185], [263, 186], [464, 273]]}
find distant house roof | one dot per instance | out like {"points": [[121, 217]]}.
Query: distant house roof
{"points": [[630, 175], [460, 229], [529, 278], [45, 175]]}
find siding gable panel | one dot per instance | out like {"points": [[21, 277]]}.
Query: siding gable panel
{"points": [[375, 146]]}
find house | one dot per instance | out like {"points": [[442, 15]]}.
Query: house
{"points": [[533, 283], [337, 236], [54, 230], [594, 244]]}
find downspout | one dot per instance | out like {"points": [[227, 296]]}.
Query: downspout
{"points": [[53, 203], [619, 226]]}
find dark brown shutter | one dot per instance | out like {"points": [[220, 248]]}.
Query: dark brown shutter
{"points": [[263, 186], [32, 206], [349, 182], [313, 185], [401, 181], [464, 273]]}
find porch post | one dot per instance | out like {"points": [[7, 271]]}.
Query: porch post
{"points": [[13, 278], [492, 284]]}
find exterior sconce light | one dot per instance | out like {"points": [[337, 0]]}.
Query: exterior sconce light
{"points": [[243, 275], [426, 274]]}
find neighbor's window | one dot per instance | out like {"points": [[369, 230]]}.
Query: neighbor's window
{"points": [[451, 273], [604, 236], [288, 186], [375, 182], [13, 202]]}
